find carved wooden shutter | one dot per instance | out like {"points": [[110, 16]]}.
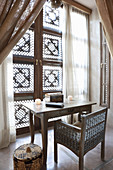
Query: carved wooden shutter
{"points": [[104, 71]]}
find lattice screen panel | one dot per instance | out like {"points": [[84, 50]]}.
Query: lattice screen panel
{"points": [[51, 17], [52, 47], [21, 114], [52, 78], [23, 78], [25, 46]]}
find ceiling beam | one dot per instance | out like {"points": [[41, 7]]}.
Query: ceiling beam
{"points": [[78, 6]]}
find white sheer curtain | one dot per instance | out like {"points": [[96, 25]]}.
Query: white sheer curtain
{"points": [[7, 120], [75, 54]]}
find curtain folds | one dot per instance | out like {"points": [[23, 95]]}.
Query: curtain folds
{"points": [[105, 9], [76, 54], [67, 53], [16, 16], [7, 119]]}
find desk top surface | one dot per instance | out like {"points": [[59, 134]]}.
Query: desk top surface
{"points": [[38, 109]]}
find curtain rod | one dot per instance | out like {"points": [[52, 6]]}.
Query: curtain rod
{"points": [[78, 6]]}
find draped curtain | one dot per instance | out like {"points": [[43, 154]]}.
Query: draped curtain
{"points": [[7, 120], [76, 54], [105, 9], [15, 18]]}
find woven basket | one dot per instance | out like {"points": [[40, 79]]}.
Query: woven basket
{"points": [[27, 156]]}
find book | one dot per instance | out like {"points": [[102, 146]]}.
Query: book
{"points": [[54, 104]]}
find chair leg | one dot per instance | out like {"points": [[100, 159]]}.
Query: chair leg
{"points": [[55, 145], [55, 151], [102, 150], [81, 162]]}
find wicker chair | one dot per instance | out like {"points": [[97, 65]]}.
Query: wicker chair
{"points": [[81, 140]]}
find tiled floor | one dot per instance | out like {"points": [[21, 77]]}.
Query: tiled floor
{"points": [[66, 159]]}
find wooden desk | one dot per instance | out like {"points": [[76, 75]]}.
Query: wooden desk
{"points": [[45, 113]]}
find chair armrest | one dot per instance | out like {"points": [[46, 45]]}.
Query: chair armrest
{"points": [[75, 128], [67, 135]]}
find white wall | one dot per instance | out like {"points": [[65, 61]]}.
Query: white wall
{"points": [[95, 65]]}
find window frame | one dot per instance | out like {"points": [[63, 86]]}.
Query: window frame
{"points": [[104, 72]]}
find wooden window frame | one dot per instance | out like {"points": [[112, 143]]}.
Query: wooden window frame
{"points": [[107, 73]]}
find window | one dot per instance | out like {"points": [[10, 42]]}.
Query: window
{"points": [[38, 64], [104, 71]]}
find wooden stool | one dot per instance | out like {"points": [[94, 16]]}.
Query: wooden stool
{"points": [[27, 156]]}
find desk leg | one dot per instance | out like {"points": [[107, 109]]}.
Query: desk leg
{"points": [[79, 116], [90, 109], [31, 127], [44, 126], [71, 118]]}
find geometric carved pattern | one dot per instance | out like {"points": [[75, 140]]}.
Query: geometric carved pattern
{"points": [[52, 78], [25, 46], [51, 17], [52, 47], [23, 78], [21, 114]]}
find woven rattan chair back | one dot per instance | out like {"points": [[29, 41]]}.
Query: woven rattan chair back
{"points": [[81, 140]]}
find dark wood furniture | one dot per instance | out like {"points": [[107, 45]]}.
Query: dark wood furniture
{"points": [[81, 140], [45, 113]]}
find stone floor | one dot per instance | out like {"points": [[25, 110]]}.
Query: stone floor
{"points": [[66, 159]]}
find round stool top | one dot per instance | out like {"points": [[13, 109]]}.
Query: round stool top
{"points": [[28, 152]]}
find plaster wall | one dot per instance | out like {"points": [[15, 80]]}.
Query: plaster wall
{"points": [[94, 70]]}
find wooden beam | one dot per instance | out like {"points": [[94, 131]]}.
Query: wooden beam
{"points": [[78, 6]]}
